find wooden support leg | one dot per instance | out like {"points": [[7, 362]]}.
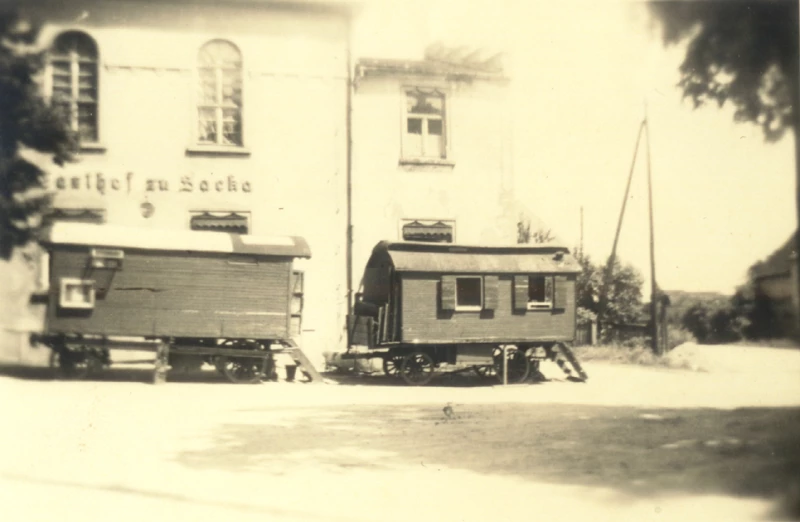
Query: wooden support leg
{"points": [[505, 365], [162, 363]]}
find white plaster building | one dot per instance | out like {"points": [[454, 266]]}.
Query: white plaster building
{"points": [[252, 116]]}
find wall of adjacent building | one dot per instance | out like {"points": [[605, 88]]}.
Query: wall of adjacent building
{"points": [[290, 177], [475, 190]]}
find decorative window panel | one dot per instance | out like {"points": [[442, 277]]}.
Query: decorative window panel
{"points": [[73, 66], [235, 222], [77, 215], [219, 97], [428, 231], [424, 133]]}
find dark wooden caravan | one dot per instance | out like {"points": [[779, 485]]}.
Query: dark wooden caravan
{"points": [[193, 297], [430, 305]]}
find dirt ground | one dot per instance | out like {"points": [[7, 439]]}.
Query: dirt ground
{"points": [[632, 444]]}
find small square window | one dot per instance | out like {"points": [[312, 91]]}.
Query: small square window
{"points": [[76, 293], [469, 293]]}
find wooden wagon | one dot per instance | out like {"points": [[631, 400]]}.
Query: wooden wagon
{"points": [[496, 310], [192, 297]]}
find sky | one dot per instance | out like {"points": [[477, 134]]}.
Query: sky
{"points": [[583, 75]]}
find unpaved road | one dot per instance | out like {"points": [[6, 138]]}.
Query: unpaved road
{"points": [[632, 444]]}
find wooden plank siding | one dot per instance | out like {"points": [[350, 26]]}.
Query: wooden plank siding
{"points": [[178, 295], [425, 321]]}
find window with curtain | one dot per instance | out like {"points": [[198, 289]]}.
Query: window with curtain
{"points": [[219, 107], [73, 63]]}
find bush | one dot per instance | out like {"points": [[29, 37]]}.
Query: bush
{"points": [[714, 324], [676, 336]]}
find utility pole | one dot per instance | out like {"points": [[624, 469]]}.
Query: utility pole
{"points": [[580, 248], [612, 258], [656, 346]]}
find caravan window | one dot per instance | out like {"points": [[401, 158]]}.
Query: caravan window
{"points": [[469, 293]]}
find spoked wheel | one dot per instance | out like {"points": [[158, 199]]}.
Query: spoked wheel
{"points": [[519, 367], [244, 370], [417, 369], [241, 370], [486, 372], [75, 365], [392, 364]]}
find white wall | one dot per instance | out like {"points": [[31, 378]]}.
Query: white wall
{"points": [[294, 126], [476, 192]]}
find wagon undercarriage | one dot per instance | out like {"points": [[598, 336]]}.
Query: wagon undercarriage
{"points": [[244, 361], [417, 365]]}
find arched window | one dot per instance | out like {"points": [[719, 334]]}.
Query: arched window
{"points": [[73, 64], [219, 107]]}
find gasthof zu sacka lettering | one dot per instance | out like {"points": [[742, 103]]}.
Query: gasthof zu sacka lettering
{"points": [[103, 183]]}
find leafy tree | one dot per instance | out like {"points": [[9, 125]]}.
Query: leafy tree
{"points": [[744, 53], [26, 122], [624, 291]]}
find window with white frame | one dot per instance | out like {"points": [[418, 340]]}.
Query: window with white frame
{"points": [[540, 292], [76, 293], [73, 75], [219, 106], [424, 132]]}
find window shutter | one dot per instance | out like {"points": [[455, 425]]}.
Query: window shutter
{"points": [[520, 292], [448, 292], [490, 291], [561, 289], [548, 289]]}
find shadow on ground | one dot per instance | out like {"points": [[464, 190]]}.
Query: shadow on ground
{"points": [[750, 452]]}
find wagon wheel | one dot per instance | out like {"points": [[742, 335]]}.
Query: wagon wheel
{"points": [[74, 365], [519, 367], [241, 370], [392, 364], [485, 372], [417, 369]]}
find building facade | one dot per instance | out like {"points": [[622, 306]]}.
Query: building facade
{"points": [[251, 116], [432, 152]]}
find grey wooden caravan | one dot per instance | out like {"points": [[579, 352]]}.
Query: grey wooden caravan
{"points": [[193, 296], [429, 305]]}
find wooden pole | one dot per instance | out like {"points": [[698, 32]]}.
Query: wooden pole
{"points": [[580, 248], [656, 346], [611, 259], [505, 365]]}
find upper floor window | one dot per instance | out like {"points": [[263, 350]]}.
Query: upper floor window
{"points": [[73, 62], [219, 107], [424, 135]]}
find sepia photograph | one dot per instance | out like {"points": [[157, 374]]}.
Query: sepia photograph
{"points": [[399, 260]]}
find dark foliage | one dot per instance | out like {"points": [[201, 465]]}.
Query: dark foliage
{"points": [[742, 52], [624, 298], [26, 122]]}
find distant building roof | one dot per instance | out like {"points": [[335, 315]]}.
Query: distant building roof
{"points": [[459, 63], [779, 262]]}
